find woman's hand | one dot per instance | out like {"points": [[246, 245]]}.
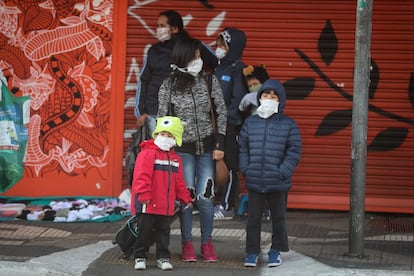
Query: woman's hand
{"points": [[141, 120], [218, 154]]}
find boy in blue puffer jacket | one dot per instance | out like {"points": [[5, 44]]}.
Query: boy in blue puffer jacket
{"points": [[270, 150]]}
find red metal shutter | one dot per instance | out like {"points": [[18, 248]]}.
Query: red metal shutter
{"points": [[309, 46]]}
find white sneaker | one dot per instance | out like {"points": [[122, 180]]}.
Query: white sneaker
{"points": [[220, 213], [140, 264], [164, 264]]}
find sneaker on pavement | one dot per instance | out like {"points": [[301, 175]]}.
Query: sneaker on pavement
{"points": [[164, 264], [251, 260], [274, 258], [220, 213], [188, 252], [209, 252], [140, 264]]}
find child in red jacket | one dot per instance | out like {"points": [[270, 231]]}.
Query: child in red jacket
{"points": [[158, 182]]}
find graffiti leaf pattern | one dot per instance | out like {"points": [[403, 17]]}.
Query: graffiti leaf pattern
{"points": [[328, 43], [299, 88], [388, 139], [334, 122], [411, 89], [374, 79]]}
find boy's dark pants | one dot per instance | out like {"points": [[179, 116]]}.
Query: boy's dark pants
{"points": [[256, 204], [153, 228]]}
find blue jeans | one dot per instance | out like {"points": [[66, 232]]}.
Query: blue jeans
{"points": [[198, 173]]}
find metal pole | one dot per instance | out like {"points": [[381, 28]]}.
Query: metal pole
{"points": [[359, 126]]}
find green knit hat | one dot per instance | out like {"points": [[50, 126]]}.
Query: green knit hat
{"points": [[172, 125]]}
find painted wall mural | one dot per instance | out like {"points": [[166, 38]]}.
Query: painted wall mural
{"points": [[60, 54]]}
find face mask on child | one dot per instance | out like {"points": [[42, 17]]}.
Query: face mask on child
{"points": [[163, 34], [220, 53], [194, 67], [255, 88], [164, 143], [267, 108]]}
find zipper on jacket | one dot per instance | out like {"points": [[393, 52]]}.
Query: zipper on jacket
{"points": [[169, 183], [264, 144], [196, 124]]}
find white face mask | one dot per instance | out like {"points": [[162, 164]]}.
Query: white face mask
{"points": [[194, 67], [163, 34], [220, 53], [267, 108], [164, 143]]}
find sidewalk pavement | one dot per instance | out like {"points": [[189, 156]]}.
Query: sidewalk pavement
{"points": [[318, 242]]}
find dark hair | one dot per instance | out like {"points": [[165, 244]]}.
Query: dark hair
{"points": [[257, 72], [183, 52], [174, 19]]}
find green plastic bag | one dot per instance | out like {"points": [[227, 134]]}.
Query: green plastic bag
{"points": [[14, 117]]}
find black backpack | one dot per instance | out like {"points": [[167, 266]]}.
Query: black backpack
{"points": [[125, 237]]}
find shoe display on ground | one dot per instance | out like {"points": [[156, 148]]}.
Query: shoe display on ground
{"points": [[140, 264], [251, 260], [188, 252], [220, 213], [164, 264], [274, 258], [209, 252]]}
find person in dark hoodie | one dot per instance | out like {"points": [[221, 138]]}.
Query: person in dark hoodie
{"points": [[229, 71], [156, 67], [270, 150]]}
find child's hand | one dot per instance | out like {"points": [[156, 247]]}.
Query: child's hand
{"points": [[188, 205], [145, 201]]}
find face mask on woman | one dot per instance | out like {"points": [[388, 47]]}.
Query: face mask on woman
{"points": [[220, 53], [267, 108], [163, 34], [194, 67]]}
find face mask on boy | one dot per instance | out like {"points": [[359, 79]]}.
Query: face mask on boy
{"points": [[267, 108], [220, 53], [163, 34], [194, 67], [164, 143]]}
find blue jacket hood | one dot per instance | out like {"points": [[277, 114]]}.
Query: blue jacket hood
{"points": [[277, 86], [236, 40]]}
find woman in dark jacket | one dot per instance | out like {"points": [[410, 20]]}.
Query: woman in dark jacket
{"points": [[156, 67]]}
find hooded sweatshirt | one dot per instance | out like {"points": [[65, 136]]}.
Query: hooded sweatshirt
{"points": [[270, 149], [229, 72]]}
